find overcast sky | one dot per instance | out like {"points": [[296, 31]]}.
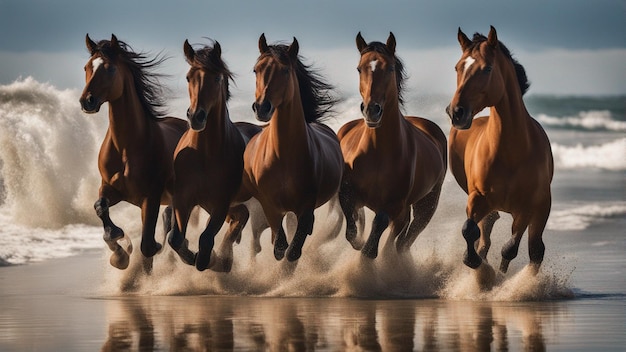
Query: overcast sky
{"points": [[567, 47]]}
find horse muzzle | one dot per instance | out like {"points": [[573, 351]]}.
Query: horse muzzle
{"points": [[263, 111], [197, 119], [461, 117], [90, 104], [372, 113]]}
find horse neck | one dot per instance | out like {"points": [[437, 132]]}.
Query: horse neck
{"points": [[390, 128], [509, 121], [288, 127], [128, 121], [216, 130]]}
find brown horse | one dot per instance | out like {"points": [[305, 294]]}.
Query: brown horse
{"points": [[135, 159], [208, 162], [392, 162], [295, 163], [502, 161]]}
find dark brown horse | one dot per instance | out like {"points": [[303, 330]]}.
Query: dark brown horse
{"points": [[135, 159], [295, 163], [392, 162], [502, 161], [208, 162]]}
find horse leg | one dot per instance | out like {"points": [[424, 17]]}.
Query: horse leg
{"points": [[207, 239], [176, 237], [348, 206], [486, 226], [536, 247], [112, 233], [510, 248], [237, 219], [167, 220], [305, 228], [399, 228], [423, 211], [477, 209], [149, 217], [380, 223]]}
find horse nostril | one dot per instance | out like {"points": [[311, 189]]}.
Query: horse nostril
{"points": [[458, 111], [188, 113], [375, 109], [362, 107], [254, 107]]}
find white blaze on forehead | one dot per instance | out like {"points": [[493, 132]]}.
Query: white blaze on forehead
{"points": [[468, 62], [97, 62], [373, 65]]}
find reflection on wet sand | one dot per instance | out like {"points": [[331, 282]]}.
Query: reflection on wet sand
{"points": [[311, 324]]}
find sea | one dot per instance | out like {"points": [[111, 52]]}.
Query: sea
{"points": [[49, 181]]}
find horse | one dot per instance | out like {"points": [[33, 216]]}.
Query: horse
{"points": [[135, 159], [295, 163], [208, 161], [393, 163], [502, 161]]}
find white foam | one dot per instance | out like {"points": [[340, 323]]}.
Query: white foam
{"points": [[581, 216], [589, 120], [609, 156]]}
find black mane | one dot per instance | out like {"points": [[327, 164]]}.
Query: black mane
{"points": [[205, 60], [520, 72], [315, 93], [146, 81], [399, 65]]}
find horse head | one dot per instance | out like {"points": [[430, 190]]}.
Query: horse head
{"points": [[207, 80], [380, 72], [276, 80], [480, 77], [102, 76]]}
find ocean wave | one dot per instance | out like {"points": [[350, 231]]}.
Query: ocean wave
{"points": [[48, 173], [596, 120], [581, 216], [608, 156]]}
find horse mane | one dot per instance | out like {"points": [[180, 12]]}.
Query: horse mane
{"points": [[520, 72], [315, 93], [205, 60], [146, 81], [398, 64]]}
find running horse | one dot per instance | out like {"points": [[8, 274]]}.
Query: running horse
{"points": [[502, 161], [135, 159], [392, 162], [208, 161], [295, 163]]}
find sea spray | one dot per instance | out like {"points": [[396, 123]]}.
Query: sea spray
{"points": [[49, 150]]}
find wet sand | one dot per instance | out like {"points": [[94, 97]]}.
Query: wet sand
{"points": [[59, 306]]}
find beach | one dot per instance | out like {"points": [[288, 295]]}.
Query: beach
{"points": [[59, 293]]}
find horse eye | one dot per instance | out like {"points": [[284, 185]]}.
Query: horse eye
{"points": [[218, 78], [488, 69]]}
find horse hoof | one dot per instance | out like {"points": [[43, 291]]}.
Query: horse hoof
{"points": [[222, 265], [204, 262], [119, 259], [294, 254], [371, 253], [151, 250], [279, 252], [472, 260]]}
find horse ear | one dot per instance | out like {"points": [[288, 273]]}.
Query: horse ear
{"points": [[91, 45], [360, 42], [463, 40], [189, 52], [263, 48], [294, 48], [114, 42], [217, 50], [492, 38], [391, 43]]}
